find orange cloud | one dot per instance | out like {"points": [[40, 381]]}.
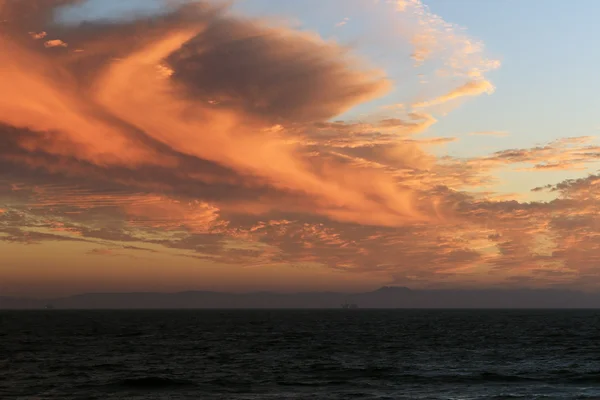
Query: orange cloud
{"points": [[102, 252], [132, 108], [564, 154], [214, 137], [169, 214], [36, 96], [471, 88], [38, 35], [55, 43]]}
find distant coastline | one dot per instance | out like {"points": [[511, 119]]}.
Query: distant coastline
{"points": [[385, 297]]}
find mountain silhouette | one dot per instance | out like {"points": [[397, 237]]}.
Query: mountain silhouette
{"points": [[385, 297]]}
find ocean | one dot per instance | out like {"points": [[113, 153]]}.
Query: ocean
{"points": [[300, 354]]}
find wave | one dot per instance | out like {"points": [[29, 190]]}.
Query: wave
{"points": [[154, 382], [130, 334], [587, 379]]}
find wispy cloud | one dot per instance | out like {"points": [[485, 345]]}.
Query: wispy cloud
{"points": [[432, 36], [471, 88], [448, 48], [342, 22]]}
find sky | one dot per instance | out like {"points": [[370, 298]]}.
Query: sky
{"points": [[166, 145]]}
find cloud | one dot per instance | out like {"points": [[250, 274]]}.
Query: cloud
{"points": [[278, 74], [169, 214], [471, 88], [342, 22], [433, 140], [101, 252], [583, 189], [446, 49], [132, 116], [203, 135], [39, 35], [55, 43], [432, 36], [336, 136], [574, 153]]}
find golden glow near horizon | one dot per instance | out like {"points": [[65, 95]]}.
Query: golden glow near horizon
{"points": [[208, 150]]}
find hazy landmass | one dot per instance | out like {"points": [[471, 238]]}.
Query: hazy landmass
{"points": [[385, 297]]}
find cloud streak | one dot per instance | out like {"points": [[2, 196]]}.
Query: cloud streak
{"points": [[471, 88]]}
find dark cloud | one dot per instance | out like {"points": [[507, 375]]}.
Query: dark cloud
{"points": [[283, 76]]}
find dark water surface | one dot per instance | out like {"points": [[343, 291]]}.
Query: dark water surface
{"points": [[315, 354]]}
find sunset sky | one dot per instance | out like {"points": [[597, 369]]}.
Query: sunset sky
{"points": [[166, 145]]}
